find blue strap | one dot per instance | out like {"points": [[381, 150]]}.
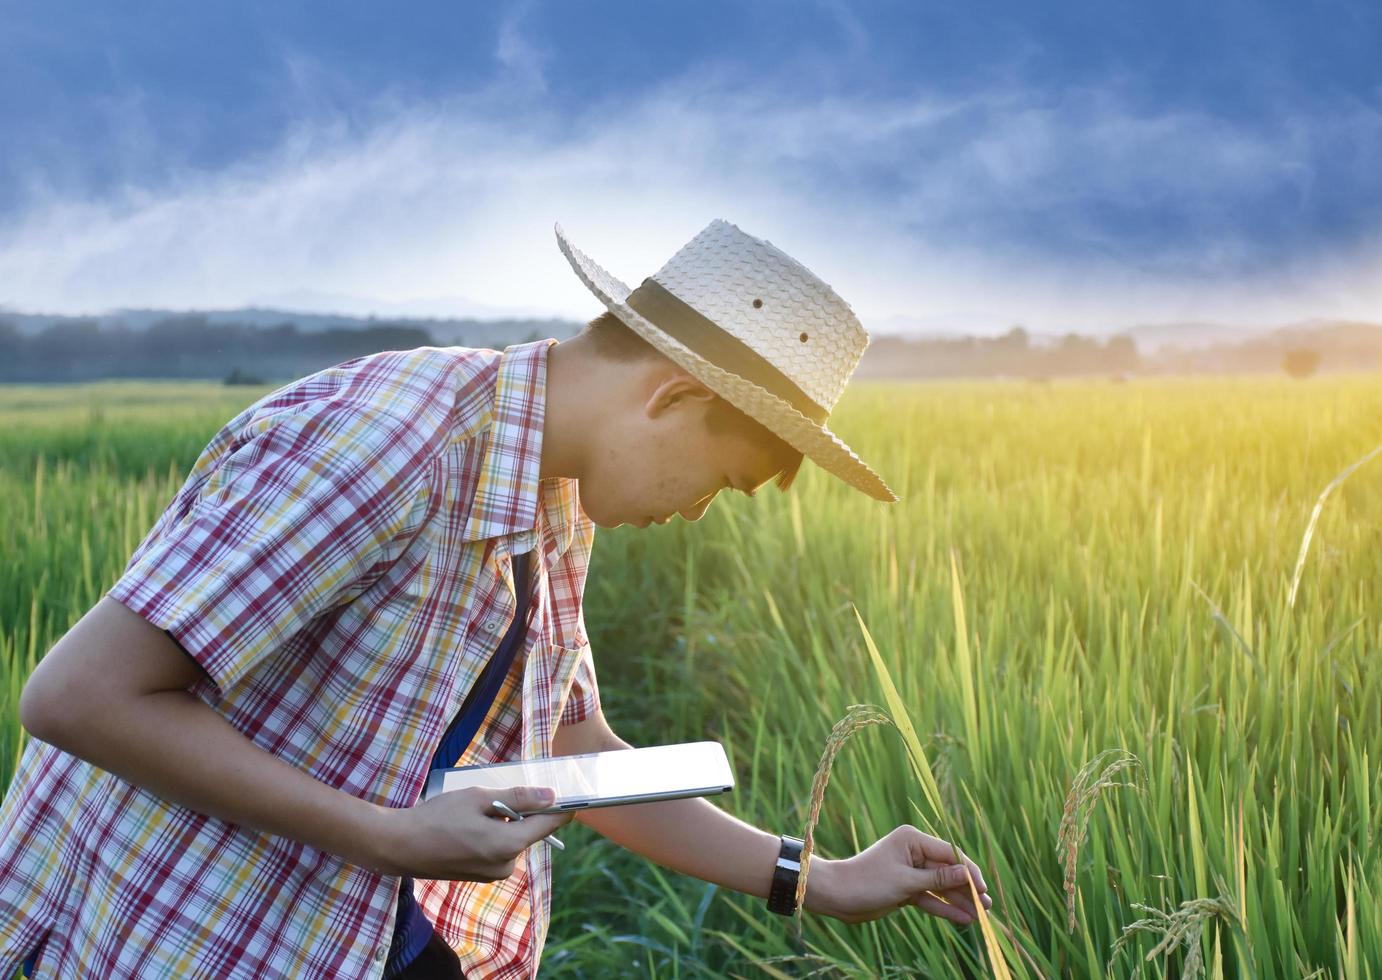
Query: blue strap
{"points": [[482, 694], [412, 929]]}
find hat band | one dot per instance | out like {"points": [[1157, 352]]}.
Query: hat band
{"points": [[721, 348]]}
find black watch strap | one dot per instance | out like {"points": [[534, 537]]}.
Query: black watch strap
{"points": [[782, 896]]}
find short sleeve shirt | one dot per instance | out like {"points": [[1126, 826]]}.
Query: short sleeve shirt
{"points": [[338, 564]]}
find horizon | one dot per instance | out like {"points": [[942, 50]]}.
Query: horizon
{"points": [[1149, 337]]}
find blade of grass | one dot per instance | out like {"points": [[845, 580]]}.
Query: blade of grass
{"points": [[903, 721]]}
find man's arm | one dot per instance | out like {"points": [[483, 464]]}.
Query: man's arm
{"points": [[695, 837], [113, 691]]}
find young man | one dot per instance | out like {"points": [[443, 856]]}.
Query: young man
{"points": [[228, 750]]}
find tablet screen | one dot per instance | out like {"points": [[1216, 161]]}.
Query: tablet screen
{"points": [[606, 778]]}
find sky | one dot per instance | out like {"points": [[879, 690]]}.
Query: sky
{"points": [[945, 166]]}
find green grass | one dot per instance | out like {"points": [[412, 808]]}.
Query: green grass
{"points": [[1074, 569]]}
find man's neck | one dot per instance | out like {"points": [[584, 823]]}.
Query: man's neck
{"points": [[569, 413]]}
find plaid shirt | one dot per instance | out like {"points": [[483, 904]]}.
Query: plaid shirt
{"points": [[338, 563]]}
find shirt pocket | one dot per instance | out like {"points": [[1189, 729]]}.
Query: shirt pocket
{"points": [[576, 693]]}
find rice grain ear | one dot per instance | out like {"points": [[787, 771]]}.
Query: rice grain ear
{"points": [[1181, 928], [859, 716], [1079, 803]]}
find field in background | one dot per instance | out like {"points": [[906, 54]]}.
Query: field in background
{"points": [[1074, 568]]}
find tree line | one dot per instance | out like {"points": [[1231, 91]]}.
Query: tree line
{"points": [[189, 347]]}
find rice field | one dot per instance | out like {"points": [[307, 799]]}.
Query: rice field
{"points": [[1081, 612]]}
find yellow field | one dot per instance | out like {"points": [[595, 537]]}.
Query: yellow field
{"points": [[1080, 576]]}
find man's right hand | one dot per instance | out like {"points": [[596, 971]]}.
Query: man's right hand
{"points": [[458, 836]]}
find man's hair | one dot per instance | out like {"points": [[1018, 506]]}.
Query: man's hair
{"points": [[615, 340]]}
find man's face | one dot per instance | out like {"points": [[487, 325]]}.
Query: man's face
{"points": [[658, 460]]}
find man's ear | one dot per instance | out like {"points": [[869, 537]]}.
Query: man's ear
{"points": [[676, 389]]}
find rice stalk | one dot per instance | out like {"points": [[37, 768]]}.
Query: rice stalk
{"points": [[858, 717], [946, 747], [1223, 621], [1079, 804], [1314, 519], [917, 756]]}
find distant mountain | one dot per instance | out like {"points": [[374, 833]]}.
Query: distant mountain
{"points": [[446, 307], [1193, 335]]}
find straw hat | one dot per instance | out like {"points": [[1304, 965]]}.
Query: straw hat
{"points": [[755, 326]]}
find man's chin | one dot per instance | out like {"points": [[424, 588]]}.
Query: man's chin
{"points": [[607, 522], [611, 521], [603, 519]]}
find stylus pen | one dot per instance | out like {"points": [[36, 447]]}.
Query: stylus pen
{"points": [[513, 814]]}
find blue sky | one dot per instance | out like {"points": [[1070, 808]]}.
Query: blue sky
{"points": [[970, 165]]}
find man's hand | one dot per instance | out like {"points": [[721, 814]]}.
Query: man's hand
{"points": [[457, 836], [907, 867]]}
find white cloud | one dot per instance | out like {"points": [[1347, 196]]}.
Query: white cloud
{"points": [[519, 55], [903, 204]]}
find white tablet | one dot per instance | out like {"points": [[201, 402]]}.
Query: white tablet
{"points": [[611, 778]]}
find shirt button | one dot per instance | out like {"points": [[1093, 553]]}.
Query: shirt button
{"points": [[491, 625], [381, 954]]}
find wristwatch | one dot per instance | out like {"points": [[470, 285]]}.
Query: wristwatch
{"points": [[782, 896]]}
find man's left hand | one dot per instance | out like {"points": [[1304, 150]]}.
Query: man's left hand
{"points": [[907, 867]]}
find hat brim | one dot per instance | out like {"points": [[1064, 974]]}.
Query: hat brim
{"points": [[812, 440]]}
